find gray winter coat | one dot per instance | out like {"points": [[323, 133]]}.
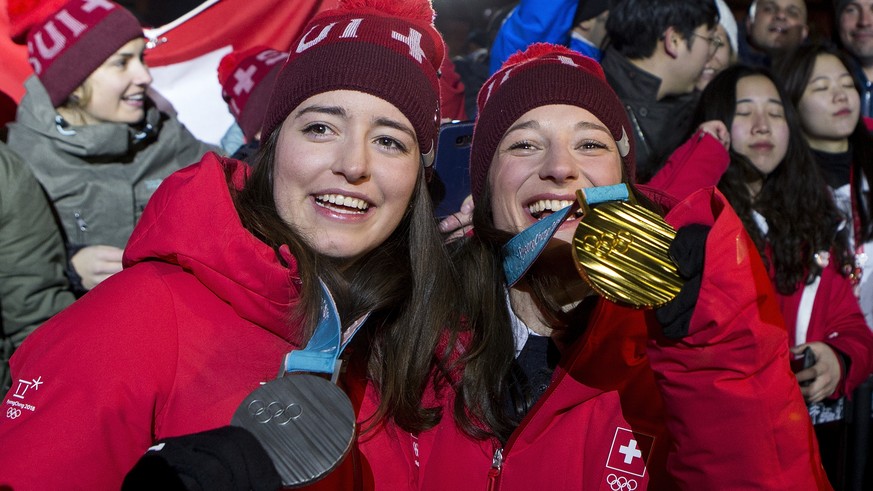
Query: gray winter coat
{"points": [[100, 176]]}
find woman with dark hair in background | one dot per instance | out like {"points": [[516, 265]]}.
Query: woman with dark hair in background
{"points": [[777, 190], [820, 85]]}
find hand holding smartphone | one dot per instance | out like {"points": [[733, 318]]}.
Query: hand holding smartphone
{"points": [[451, 181], [801, 362]]}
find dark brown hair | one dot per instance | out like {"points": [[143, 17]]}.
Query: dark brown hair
{"points": [[794, 71]]}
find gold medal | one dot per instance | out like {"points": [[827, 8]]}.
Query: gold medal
{"points": [[621, 250]]}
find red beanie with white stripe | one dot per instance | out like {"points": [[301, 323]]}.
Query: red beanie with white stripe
{"points": [[385, 48], [69, 44]]}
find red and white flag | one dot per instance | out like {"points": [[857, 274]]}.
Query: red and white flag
{"points": [[184, 54]]}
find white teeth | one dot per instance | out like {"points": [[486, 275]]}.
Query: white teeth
{"points": [[548, 204], [345, 201]]}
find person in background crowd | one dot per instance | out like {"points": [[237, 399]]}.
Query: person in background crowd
{"points": [[473, 67], [802, 240], [247, 79], [819, 83], [726, 53], [579, 24], [222, 273], [656, 53], [89, 131], [855, 31], [772, 28], [33, 286], [633, 398]]}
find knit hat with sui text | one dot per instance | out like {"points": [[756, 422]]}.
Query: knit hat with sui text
{"points": [[247, 78], [544, 74], [67, 44], [385, 48]]}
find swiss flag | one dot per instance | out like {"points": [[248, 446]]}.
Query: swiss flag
{"points": [[630, 452], [185, 53]]}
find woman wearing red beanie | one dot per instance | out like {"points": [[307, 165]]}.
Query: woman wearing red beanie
{"points": [[559, 382], [88, 129], [234, 274]]}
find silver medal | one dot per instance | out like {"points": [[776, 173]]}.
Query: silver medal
{"points": [[305, 423]]}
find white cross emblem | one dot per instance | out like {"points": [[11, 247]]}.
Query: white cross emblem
{"points": [[244, 82], [413, 41], [630, 451]]}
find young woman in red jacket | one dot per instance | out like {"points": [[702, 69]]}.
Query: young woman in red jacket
{"points": [[553, 387], [222, 290]]}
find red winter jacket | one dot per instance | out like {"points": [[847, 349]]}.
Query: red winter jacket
{"points": [[628, 409], [837, 321], [169, 346], [836, 317]]}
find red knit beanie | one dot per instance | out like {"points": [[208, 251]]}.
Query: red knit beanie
{"points": [[385, 48], [544, 74], [247, 79], [67, 46]]}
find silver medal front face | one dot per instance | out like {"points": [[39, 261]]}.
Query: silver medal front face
{"points": [[305, 423]]}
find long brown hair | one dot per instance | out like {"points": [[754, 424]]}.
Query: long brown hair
{"points": [[405, 282]]}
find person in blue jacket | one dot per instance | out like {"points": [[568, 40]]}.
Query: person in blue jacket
{"points": [[577, 24]]}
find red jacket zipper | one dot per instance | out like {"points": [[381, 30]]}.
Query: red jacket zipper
{"points": [[494, 472]]}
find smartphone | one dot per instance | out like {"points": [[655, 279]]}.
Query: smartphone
{"points": [[803, 361], [450, 184]]}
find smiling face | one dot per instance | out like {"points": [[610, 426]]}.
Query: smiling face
{"points": [[692, 55], [778, 25], [855, 26], [544, 157], [759, 130], [719, 60], [114, 92], [830, 105], [346, 167]]}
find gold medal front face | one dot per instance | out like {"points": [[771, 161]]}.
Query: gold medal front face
{"points": [[621, 250]]}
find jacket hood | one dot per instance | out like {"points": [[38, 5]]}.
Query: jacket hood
{"points": [[191, 221], [104, 141]]}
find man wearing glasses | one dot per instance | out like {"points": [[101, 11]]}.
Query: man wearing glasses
{"points": [[657, 50]]}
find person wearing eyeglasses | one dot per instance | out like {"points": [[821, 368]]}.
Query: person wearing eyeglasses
{"points": [[657, 50], [725, 37]]}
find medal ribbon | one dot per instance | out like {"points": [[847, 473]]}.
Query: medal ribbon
{"points": [[326, 345], [522, 250]]}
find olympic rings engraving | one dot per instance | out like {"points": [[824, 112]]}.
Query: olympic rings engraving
{"points": [[13, 413], [276, 411], [607, 243], [619, 483]]}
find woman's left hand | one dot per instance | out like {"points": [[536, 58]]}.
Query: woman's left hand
{"points": [[824, 375]]}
